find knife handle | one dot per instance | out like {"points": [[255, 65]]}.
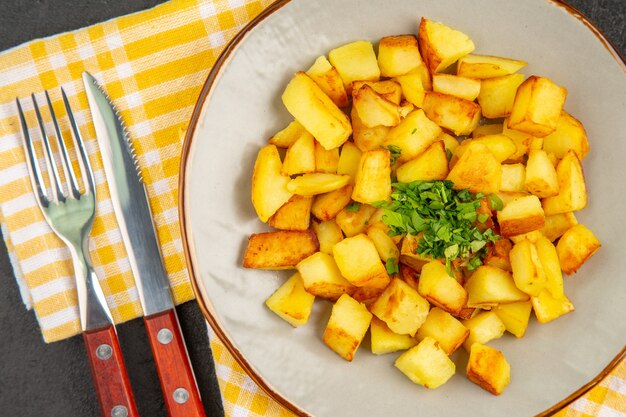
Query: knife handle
{"points": [[178, 382], [109, 373]]}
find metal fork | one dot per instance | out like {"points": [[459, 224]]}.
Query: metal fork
{"points": [[70, 214]]}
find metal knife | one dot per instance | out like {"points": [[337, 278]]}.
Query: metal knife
{"points": [[130, 204]]}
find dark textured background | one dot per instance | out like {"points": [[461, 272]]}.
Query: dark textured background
{"points": [[39, 380]]}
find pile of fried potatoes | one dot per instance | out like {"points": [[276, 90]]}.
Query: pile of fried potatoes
{"points": [[424, 109]]}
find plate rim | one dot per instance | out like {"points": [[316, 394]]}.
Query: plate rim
{"points": [[205, 93]]}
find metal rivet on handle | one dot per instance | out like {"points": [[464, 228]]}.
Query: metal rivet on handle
{"points": [[181, 395], [165, 336], [104, 351], [119, 411]]}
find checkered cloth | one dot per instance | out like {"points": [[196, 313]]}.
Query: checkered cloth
{"points": [[153, 65]]}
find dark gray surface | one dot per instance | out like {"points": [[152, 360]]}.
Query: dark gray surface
{"points": [[39, 380]]}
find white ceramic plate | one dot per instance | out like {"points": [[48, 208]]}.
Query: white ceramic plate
{"points": [[240, 108]]}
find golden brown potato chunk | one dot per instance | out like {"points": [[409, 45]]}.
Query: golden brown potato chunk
{"points": [[456, 114], [279, 250], [328, 205], [441, 45], [358, 261], [401, 307], [426, 364], [269, 186], [291, 302], [321, 277], [575, 247], [398, 55], [488, 368], [328, 79], [346, 327], [293, 215], [373, 178], [444, 328], [477, 169], [520, 216]]}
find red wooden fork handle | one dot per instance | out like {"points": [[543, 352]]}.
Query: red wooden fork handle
{"points": [[172, 361], [109, 373]]}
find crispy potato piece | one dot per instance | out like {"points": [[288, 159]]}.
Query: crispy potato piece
{"points": [[522, 215], [484, 130], [572, 194], [316, 111], [413, 135], [501, 146], [498, 254], [548, 308], [328, 79], [405, 108], [430, 165], [489, 286], [300, 156], [352, 222], [513, 178], [486, 66], [373, 178], [528, 272], [349, 321], [291, 302], [386, 341], [483, 327], [358, 261], [477, 169], [269, 186], [557, 224], [441, 45], [465, 88], [355, 61], [279, 250], [293, 215], [287, 136], [326, 160], [541, 179], [531, 236], [328, 233], [321, 277], [349, 159], [409, 255], [575, 247], [444, 328], [317, 183], [551, 266], [328, 205], [440, 289], [515, 316], [488, 368], [367, 138], [384, 244], [569, 134], [413, 88], [498, 94], [426, 364], [373, 109], [401, 307], [459, 115], [398, 55], [390, 90], [537, 106]]}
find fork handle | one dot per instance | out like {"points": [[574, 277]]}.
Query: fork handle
{"points": [[109, 373], [178, 382]]}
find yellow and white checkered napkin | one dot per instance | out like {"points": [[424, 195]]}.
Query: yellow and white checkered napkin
{"points": [[153, 65]]}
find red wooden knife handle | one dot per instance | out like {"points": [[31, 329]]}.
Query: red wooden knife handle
{"points": [[178, 383], [109, 373]]}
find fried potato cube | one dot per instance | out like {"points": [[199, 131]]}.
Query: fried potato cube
{"points": [[287, 136], [489, 286], [349, 159], [385, 341], [398, 55], [300, 156], [498, 254], [483, 327], [409, 255], [575, 247], [321, 277], [456, 114], [487, 367], [569, 134], [373, 178], [328, 205], [426, 364], [486, 66], [373, 109], [413, 135], [498, 94], [328, 233], [572, 194], [326, 160], [295, 214], [310, 106], [384, 244], [413, 88], [279, 250], [537, 106], [405, 108], [515, 316], [355, 61], [541, 179], [317, 183], [358, 261], [352, 222], [328, 79], [367, 295], [557, 224], [484, 130], [390, 90], [441, 289], [477, 169], [528, 272], [548, 308], [441, 45], [513, 178], [428, 166], [530, 236], [346, 328], [401, 307], [367, 138], [465, 88], [269, 186], [551, 266], [501, 146], [291, 302], [522, 215], [444, 328]]}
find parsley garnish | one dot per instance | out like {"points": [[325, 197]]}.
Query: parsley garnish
{"points": [[445, 216], [395, 152], [353, 207], [391, 265], [414, 130]]}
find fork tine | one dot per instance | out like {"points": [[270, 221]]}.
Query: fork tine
{"points": [[55, 182], [36, 179], [65, 158], [83, 159]]}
